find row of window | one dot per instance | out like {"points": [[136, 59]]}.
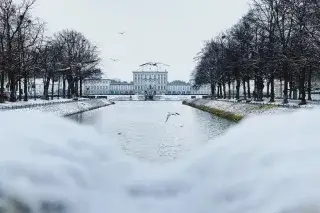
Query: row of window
{"points": [[112, 92], [150, 76], [183, 88], [107, 88], [94, 90], [179, 88], [97, 87], [145, 87], [159, 81], [101, 81]]}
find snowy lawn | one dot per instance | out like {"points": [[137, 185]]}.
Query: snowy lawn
{"points": [[68, 108], [32, 103], [278, 102], [177, 97], [242, 109], [266, 164]]}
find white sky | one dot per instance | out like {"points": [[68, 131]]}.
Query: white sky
{"points": [[168, 31]]}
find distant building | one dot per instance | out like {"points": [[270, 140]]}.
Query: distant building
{"points": [[150, 78], [37, 87], [178, 89], [202, 90], [96, 87], [121, 88]]}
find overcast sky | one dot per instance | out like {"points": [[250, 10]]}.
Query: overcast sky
{"points": [[168, 31]]}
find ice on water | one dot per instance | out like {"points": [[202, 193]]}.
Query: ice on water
{"points": [[266, 164]]}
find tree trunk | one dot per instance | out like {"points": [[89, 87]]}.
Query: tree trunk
{"points": [[285, 91], [260, 87], [2, 71], [81, 81], [224, 91], [76, 86], [35, 86], [272, 89], [238, 89], [229, 89], [25, 86], [46, 89], [70, 80], [69, 91], [218, 92], [268, 89], [220, 89], [12, 87], [212, 90], [292, 86], [2, 87], [52, 87], [302, 87], [63, 86], [244, 88], [309, 84], [10, 70], [249, 90], [291, 90], [59, 87], [286, 81], [20, 89]]}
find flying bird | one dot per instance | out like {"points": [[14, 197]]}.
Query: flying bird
{"points": [[171, 113], [121, 33], [114, 60]]}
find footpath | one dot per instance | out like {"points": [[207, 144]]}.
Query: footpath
{"points": [[62, 107], [236, 111]]}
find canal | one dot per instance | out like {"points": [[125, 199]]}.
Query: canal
{"points": [[139, 128]]}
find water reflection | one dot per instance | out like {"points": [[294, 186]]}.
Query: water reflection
{"points": [[142, 131]]}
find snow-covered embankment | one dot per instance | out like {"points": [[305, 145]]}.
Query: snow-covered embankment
{"points": [[267, 164], [70, 108], [233, 110]]}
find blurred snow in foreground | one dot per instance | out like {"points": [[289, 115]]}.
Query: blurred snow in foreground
{"points": [[266, 164]]}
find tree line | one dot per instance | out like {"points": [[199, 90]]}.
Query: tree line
{"points": [[26, 54], [277, 40]]}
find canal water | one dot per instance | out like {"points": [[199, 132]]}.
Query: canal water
{"points": [[141, 131]]}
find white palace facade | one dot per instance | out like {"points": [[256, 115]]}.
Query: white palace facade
{"points": [[149, 78]]}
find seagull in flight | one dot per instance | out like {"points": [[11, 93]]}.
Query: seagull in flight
{"points": [[114, 60], [121, 33], [171, 113]]}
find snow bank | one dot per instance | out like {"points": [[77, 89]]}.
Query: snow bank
{"points": [[69, 108], [177, 97], [123, 97], [32, 103], [262, 165], [242, 109]]}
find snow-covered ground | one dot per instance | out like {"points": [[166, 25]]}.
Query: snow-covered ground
{"points": [[32, 103], [68, 108], [125, 97], [243, 109], [278, 102], [265, 164], [177, 97]]}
